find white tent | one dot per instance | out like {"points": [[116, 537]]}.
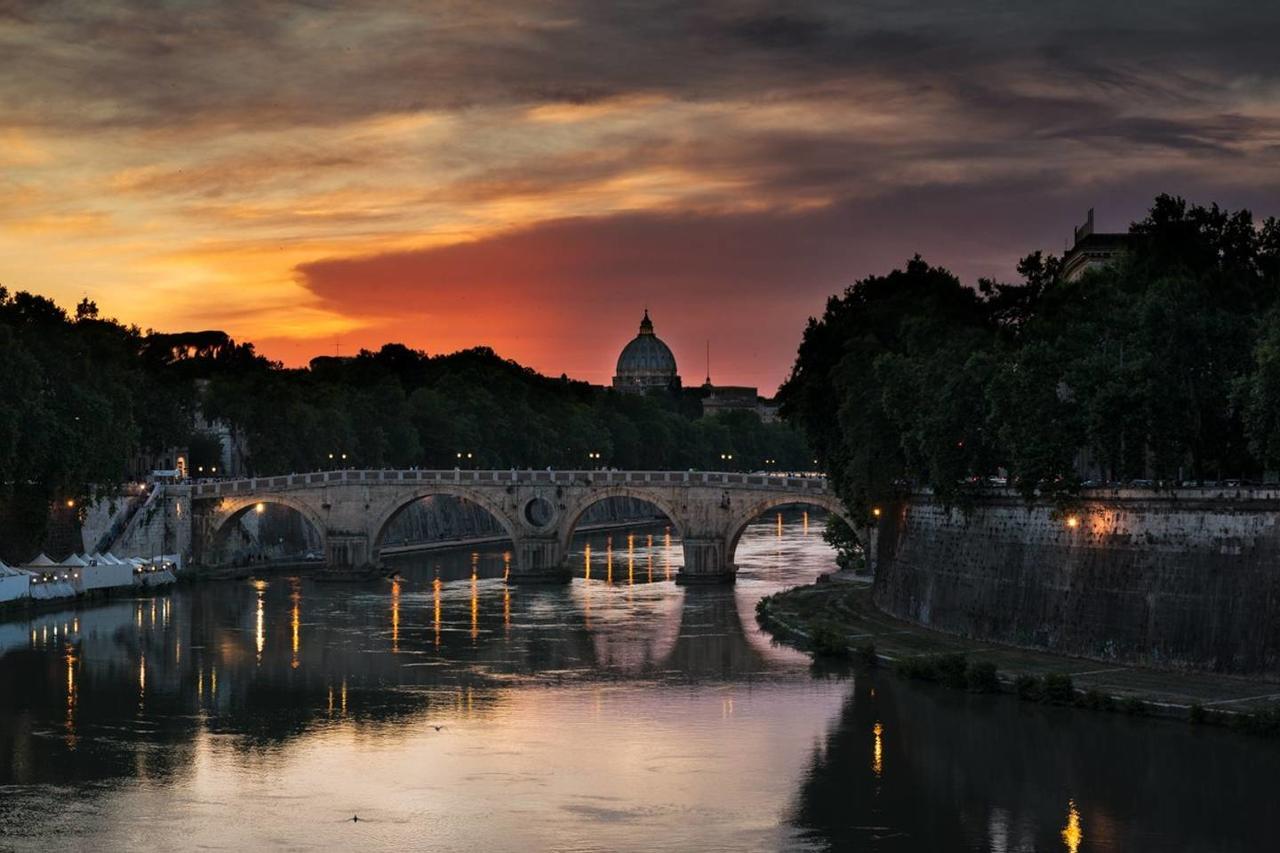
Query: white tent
{"points": [[100, 573], [14, 585], [40, 562]]}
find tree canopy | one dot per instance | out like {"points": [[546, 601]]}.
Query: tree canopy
{"points": [[1163, 365]]}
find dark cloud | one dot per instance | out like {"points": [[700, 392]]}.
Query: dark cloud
{"points": [[264, 63], [779, 31]]}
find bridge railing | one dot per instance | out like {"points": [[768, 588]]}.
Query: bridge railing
{"points": [[252, 485]]}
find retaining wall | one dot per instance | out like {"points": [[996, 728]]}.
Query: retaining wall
{"points": [[1188, 579]]}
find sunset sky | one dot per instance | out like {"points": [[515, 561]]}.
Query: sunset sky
{"points": [[531, 175]]}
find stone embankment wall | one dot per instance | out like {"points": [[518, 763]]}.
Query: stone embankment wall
{"points": [[1188, 579], [161, 525]]}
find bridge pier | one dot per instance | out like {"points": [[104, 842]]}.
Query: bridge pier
{"points": [[706, 561], [347, 551], [539, 559]]}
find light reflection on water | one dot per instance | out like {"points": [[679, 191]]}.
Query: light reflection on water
{"points": [[617, 712]]}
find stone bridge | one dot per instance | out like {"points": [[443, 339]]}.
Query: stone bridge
{"points": [[539, 510]]}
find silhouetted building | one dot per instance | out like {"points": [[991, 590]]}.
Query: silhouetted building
{"points": [[1092, 250], [646, 363]]}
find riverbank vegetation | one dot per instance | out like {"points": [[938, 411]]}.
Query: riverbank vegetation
{"points": [[1162, 367]]}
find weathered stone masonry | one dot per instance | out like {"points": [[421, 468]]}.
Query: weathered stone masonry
{"points": [[1183, 579], [539, 510]]}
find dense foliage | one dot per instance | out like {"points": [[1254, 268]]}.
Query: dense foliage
{"points": [[82, 396], [1163, 366], [399, 407]]}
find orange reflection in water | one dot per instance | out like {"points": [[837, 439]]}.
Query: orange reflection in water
{"points": [[295, 625], [877, 750], [395, 616], [608, 560], [806, 522], [666, 555], [1072, 834], [260, 632], [475, 604], [70, 723], [435, 591]]}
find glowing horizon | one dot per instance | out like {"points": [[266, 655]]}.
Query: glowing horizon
{"points": [[529, 178]]}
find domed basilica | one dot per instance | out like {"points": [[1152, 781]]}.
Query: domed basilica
{"points": [[646, 363]]}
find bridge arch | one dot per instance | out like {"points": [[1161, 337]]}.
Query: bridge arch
{"points": [[230, 510], [389, 510], [743, 518], [574, 512]]}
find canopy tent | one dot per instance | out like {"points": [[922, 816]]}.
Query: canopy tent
{"points": [[40, 562], [14, 585], [99, 574]]}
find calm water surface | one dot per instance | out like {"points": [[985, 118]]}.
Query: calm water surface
{"points": [[618, 713]]}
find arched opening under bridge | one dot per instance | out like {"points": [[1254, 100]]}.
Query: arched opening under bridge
{"points": [[772, 535], [622, 537], [444, 535], [266, 531]]}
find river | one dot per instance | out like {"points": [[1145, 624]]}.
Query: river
{"points": [[620, 712]]}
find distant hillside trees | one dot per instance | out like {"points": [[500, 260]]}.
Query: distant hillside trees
{"points": [[398, 407]]}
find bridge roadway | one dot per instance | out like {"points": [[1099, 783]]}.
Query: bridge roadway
{"points": [[351, 510]]}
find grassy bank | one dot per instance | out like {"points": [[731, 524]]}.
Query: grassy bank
{"points": [[837, 621]]}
